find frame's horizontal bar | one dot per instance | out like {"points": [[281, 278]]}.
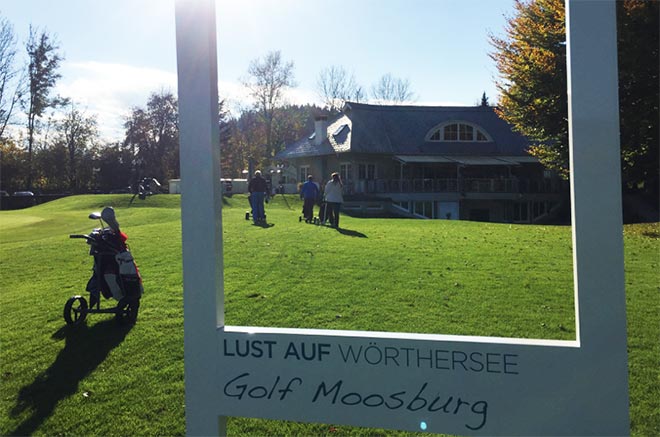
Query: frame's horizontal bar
{"points": [[401, 336]]}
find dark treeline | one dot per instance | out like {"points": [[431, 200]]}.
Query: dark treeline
{"points": [[72, 158], [244, 138]]}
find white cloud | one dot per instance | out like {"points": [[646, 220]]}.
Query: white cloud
{"points": [[300, 96], [110, 90], [238, 98]]}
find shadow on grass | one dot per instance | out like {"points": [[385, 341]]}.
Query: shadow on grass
{"points": [[263, 225], [85, 348], [351, 233]]}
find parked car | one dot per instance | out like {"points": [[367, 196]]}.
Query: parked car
{"points": [[23, 193], [3, 193], [126, 190], [22, 199]]}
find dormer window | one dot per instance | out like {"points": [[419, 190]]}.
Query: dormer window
{"points": [[458, 132], [338, 130]]}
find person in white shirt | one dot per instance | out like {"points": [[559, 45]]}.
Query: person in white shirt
{"points": [[334, 198]]}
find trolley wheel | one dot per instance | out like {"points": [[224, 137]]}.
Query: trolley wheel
{"points": [[127, 310], [299, 219], [247, 216], [75, 310]]}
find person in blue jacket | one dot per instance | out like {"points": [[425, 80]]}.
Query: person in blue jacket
{"points": [[309, 193]]}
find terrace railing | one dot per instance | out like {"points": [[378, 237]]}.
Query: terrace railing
{"points": [[454, 185]]}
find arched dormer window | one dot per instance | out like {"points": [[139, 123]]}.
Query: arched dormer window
{"points": [[458, 131]]}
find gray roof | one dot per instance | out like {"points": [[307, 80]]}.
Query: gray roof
{"points": [[403, 130]]}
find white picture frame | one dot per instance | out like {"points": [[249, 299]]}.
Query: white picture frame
{"points": [[418, 382]]}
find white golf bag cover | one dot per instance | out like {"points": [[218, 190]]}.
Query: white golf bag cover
{"points": [[129, 273]]}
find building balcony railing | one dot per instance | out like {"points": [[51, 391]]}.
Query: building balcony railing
{"points": [[455, 185]]}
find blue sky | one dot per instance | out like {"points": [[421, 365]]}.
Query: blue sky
{"points": [[119, 51]]}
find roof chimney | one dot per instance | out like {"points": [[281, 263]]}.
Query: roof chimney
{"points": [[320, 129]]}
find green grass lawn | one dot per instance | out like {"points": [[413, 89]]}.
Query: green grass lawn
{"points": [[447, 277]]}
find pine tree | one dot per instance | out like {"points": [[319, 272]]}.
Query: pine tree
{"points": [[484, 100]]}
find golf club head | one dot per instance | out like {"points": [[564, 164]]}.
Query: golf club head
{"points": [[95, 215], [108, 214]]}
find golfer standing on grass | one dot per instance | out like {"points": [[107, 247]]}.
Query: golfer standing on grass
{"points": [[334, 198], [309, 193], [258, 189]]}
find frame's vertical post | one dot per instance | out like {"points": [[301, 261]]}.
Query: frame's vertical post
{"points": [[201, 214], [593, 114]]}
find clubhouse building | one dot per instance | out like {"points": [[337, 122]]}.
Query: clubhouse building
{"points": [[431, 162]]}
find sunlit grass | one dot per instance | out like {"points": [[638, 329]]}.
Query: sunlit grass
{"points": [[376, 274]]}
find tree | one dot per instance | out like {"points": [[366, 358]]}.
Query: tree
{"points": [[163, 112], [114, 164], [51, 170], [391, 90], [42, 77], [484, 100], [247, 139], [228, 158], [12, 164], [335, 86], [10, 83], [268, 79], [152, 136], [638, 41], [294, 122], [247, 134], [531, 60], [77, 133]]}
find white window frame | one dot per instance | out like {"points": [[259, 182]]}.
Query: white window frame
{"points": [[303, 171], [367, 166], [346, 171], [437, 133]]}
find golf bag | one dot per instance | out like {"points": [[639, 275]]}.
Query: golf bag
{"points": [[323, 212], [114, 274], [145, 188]]}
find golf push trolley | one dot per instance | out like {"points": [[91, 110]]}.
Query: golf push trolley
{"points": [[325, 215], [114, 275], [250, 214]]}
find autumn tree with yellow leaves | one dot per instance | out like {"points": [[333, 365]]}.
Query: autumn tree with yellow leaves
{"points": [[531, 60]]}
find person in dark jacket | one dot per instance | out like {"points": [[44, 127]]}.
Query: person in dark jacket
{"points": [[258, 189], [309, 193]]}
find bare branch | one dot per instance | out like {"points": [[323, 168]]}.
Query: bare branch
{"points": [[267, 80], [11, 82], [391, 90], [335, 86]]}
